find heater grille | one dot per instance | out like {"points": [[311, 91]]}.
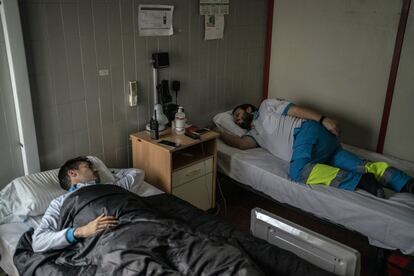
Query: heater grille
{"points": [[311, 246]]}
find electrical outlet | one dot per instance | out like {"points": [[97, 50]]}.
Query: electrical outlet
{"points": [[103, 72]]}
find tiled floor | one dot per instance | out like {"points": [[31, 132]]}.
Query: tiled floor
{"points": [[240, 202]]}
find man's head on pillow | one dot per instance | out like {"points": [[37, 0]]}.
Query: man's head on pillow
{"points": [[77, 170], [243, 115]]}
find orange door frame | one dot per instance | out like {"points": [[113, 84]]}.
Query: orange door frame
{"points": [[405, 9]]}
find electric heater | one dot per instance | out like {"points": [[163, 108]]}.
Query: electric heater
{"points": [[317, 249]]}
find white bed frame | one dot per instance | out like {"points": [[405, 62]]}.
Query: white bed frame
{"points": [[258, 171]]}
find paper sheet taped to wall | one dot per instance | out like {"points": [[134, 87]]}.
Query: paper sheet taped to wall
{"points": [[214, 27], [155, 20], [214, 7]]}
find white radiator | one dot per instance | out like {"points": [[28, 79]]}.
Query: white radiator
{"points": [[317, 249]]}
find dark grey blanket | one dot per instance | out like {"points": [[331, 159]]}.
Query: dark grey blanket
{"points": [[158, 235]]}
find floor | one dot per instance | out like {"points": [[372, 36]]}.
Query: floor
{"points": [[240, 201]]}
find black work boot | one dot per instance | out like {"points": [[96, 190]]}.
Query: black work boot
{"points": [[408, 187], [370, 184]]}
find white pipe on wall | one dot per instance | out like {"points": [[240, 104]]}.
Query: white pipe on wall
{"points": [[10, 16]]}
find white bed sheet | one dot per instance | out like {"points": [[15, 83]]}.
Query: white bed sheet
{"points": [[10, 233], [388, 223]]}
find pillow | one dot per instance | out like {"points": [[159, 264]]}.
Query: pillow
{"points": [[30, 195], [225, 122]]}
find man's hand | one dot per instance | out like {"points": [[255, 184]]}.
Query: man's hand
{"points": [[97, 225], [309, 114], [331, 125]]}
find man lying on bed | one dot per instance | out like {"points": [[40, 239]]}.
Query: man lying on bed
{"points": [[309, 142], [157, 235], [75, 174]]}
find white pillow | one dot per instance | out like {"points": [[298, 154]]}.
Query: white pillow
{"points": [[30, 195], [225, 122]]}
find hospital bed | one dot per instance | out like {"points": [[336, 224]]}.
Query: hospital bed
{"points": [[388, 223], [11, 233]]}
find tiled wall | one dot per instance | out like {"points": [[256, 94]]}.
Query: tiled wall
{"points": [[11, 165], [79, 112]]}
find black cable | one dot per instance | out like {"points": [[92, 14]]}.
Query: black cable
{"points": [[222, 196]]}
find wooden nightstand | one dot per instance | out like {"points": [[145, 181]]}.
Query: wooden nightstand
{"points": [[188, 172]]}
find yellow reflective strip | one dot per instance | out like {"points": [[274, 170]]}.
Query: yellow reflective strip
{"points": [[376, 168], [322, 174]]}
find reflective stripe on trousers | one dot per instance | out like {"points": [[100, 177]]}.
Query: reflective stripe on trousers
{"points": [[389, 176], [318, 158]]}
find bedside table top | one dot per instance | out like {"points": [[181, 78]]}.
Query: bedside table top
{"points": [[181, 139]]}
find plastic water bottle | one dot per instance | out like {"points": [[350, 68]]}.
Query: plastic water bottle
{"points": [[180, 121]]}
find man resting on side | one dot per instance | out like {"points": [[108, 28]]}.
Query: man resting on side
{"points": [[309, 142]]}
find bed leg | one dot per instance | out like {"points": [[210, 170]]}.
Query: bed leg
{"points": [[381, 267]]}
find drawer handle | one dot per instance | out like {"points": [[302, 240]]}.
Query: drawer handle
{"points": [[195, 172]]}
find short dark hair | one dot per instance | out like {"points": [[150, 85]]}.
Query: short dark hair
{"points": [[72, 164], [244, 107]]}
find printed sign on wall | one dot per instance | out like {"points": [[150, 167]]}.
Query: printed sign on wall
{"points": [[155, 20]]}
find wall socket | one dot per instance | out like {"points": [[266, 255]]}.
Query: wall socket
{"points": [[103, 72], [133, 93]]}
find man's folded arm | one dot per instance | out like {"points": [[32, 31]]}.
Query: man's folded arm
{"points": [[309, 114], [47, 236], [244, 142], [130, 179]]}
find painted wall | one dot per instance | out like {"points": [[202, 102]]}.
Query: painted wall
{"points": [[400, 134], [335, 56], [78, 112], [11, 165]]}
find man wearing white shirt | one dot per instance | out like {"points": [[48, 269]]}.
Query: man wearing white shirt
{"points": [[73, 175], [309, 142]]}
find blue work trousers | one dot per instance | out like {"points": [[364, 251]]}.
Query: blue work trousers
{"points": [[315, 145]]}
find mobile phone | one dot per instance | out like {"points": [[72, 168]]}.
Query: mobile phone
{"points": [[192, 135], [202, 130], [169, 143]]}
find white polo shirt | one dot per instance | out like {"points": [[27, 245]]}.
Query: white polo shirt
{"points": [[273, 129]]}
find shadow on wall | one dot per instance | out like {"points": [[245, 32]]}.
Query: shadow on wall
{"points": [[356, 134], [353, 132]]}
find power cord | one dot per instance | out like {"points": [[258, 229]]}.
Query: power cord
{"points": [[222, 196]]}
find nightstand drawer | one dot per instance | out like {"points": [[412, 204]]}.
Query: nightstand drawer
{"points": [[198, 192], [192, 172]]}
